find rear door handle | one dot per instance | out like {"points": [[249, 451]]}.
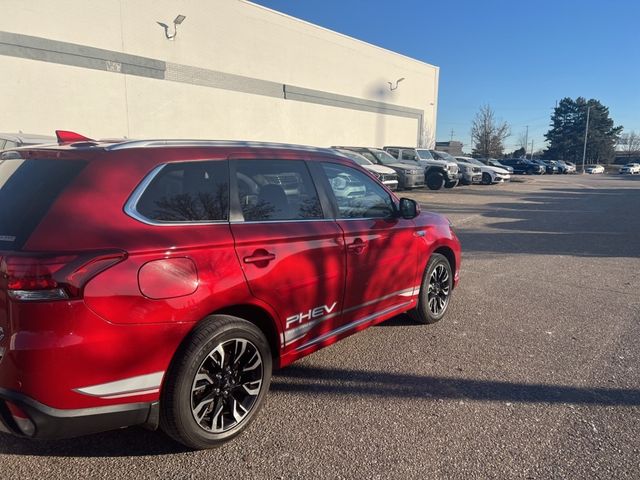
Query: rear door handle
{"points": [[259, 257], [357, 246]]}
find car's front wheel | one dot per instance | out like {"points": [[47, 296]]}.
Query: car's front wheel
{"points": [[486, 179], [434, 180], [450, 183], [217, 383], [435, 291]]}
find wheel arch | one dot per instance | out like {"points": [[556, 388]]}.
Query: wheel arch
{"points": [[449, 255], [261, 319]]}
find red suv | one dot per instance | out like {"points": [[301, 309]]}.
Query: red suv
{"points": [[159, 282]]}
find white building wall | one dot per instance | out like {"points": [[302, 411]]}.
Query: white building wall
{"points": [[267, 49]]}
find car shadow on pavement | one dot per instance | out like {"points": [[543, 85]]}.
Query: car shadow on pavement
{"points": [[127, 442], [304, 380], [402, 320], [331, 381]]}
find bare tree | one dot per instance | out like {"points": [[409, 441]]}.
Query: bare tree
{"points": [[488, 135], [523, 140], [629, 143]]}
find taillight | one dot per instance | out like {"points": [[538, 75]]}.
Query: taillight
{"points": [[52, 277]]}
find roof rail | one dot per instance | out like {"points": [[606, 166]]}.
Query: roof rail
{"points": [[210, 143]]}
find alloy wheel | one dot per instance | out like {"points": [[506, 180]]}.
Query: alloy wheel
{"points": [[226, 385], [439, 290]]}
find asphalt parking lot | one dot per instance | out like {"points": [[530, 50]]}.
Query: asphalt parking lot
{"points": [[533, 374]]}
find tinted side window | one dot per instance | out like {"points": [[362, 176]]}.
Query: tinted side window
{"points": [[188, 192], [393, 152], [357, 195], [409, 155], [276, 190]]}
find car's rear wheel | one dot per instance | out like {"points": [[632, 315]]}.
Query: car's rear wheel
{"points": [[435, 180], [435, 291], [486, 179], [217, 383]]}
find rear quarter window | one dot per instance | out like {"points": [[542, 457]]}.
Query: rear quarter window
{"points": [[187, 192], [28, 188]]}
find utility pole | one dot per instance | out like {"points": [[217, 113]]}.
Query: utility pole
{"points": [[531, 150], [452, 132], [526, 142], [586, 133]]}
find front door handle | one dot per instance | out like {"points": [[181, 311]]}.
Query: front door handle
{"points": [[357, 246], [260, 257]]}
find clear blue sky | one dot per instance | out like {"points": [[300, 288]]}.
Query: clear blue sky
{"points": [[519, 57]]}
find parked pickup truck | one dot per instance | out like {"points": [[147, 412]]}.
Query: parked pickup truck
{"points": [[438, 173]]}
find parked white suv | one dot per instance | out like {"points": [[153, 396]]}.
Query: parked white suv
{"points": [[489, 174]]}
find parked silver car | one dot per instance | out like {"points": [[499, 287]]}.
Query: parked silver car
{"points": [[14, 140], [490, 174]]}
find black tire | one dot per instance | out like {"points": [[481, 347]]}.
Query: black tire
{"points": [[197, 356], [450, 183], [486, 179], [423, 312], [435, 180]]}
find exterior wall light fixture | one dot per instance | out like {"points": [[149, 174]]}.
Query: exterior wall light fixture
{"points": [[177, 21], [393, 86]]}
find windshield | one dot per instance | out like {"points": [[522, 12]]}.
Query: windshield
{"points": [[383, 157], [356, 157], [473, 161], [369, 156], [27, 189], [424, 154], [443, 156]]}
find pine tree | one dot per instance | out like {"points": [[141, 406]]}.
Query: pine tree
{"points": [[566, 135]]}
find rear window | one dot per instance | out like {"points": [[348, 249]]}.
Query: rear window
{"points": [[28, 188]]}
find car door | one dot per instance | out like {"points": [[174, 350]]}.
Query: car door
{"points": [[519, 167], [381, 247], [293, 256]]}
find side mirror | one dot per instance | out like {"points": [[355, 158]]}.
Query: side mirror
{"points": [[409, 208]]}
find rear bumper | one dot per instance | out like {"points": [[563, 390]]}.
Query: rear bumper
{"points": [[53, 423]]}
